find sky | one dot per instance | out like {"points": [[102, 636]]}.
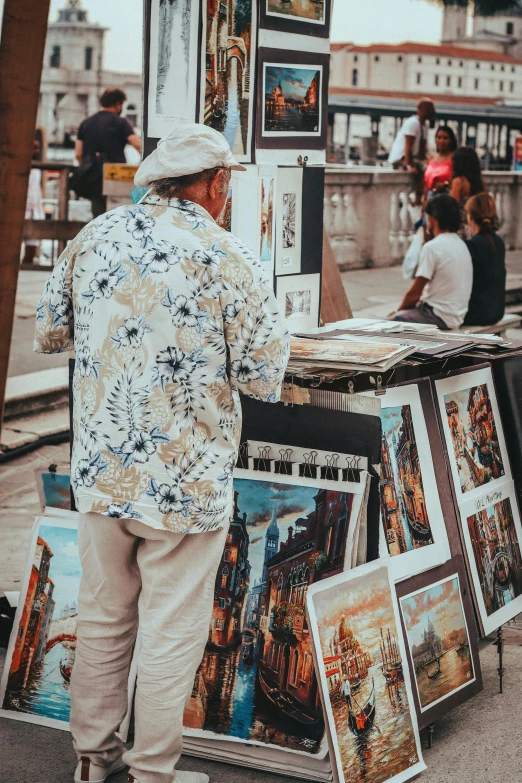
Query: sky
{"points": [[441, 604], [294, 81], [390, 21], [65, 569]]}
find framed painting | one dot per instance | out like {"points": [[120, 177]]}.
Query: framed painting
{"points": [[473, 432], [299, 297], [256, 683], [411, 511], [441, 637], [492, 536], [292, 100], [364, 679], [302, 17], [228, 72]]}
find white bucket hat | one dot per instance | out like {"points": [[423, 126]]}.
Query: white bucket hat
{"points": [[189, 148]]}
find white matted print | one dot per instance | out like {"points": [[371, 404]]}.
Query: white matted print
{"points": [[173, 64], [298, 297], [439, 642], [228, 72], [292, 105], [473, 432], [411, 513], [289, 221], [493, 540], [361, 660]]}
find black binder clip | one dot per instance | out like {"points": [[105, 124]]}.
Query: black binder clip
{"points": [[308, 468], [262, 463], [353, 471], [284, 464], [242, 456], [330, 471]]}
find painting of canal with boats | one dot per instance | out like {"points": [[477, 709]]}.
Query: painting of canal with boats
{"points": [[257, 679], [439, 641], [365, 679]]}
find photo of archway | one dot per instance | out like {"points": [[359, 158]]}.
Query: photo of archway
{"points": [[257, 682]]}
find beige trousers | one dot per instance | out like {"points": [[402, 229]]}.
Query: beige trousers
{"points": [[135, 575]]}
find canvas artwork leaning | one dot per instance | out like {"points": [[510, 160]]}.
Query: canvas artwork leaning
{"points": [[364, 677], [439, 641], [256, 682]]}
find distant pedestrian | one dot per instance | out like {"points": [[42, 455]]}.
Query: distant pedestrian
{"points": [[441, 289], [34, 209], [410, 148], [467, 181], [102, 138], [488, 254], [439, 171]]}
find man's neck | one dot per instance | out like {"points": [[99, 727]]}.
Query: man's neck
{"points": [[111, 109]]}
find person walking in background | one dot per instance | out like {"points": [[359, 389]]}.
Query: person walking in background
{"points": [[488, 255], [442, 285], [410, 148], [466, 182], [171, 317], [34, 209], [102, 138]]}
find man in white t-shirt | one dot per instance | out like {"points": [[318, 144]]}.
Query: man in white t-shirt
{"points": [[410, 148], [441, 289]]}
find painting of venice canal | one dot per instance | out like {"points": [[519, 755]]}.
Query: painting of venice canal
{"points": [[439, 641], [43, 654], [371, 710], [257, 679]]}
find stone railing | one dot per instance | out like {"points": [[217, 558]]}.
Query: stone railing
{"points": [[369, 214]]}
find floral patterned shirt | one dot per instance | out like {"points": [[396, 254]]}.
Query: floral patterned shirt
{"points": [[170, 317]]}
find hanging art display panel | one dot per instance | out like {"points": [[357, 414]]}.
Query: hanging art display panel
{"points": [[302, 17], [441, 636], [364, 679], [228, 72], [256, 683]]}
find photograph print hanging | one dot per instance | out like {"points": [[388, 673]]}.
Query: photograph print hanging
{"points": [[172, 87], [493, 540], [473, 432], [292, 99], [228, 72], [364, 678], [301, 17], [298, 297], [256, 683], [411, 511], [289, 219]]}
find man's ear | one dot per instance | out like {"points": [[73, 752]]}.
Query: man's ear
{"points": [[214, 189]]}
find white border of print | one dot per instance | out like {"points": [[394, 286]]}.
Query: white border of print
{"points": [[183, 108], [59, 520], [464, 684], [295, 17], [417, 560], [346, 578], [289, 283], [248, 156], [288, 259], [456, 383], [488, 498], [293, 134]]}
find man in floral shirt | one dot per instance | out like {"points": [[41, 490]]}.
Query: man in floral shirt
{"points": [[170, 318]]}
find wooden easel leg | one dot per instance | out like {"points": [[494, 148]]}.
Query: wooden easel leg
{"points": [[499, 643]]}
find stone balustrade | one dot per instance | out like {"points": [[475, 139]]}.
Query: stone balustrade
{"points": [[369, 214]]}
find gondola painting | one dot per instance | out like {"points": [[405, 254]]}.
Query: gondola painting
{"points": [[364, 679]]}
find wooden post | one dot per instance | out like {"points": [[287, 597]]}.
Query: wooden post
{"points": [[334, 302], [24, 30]]}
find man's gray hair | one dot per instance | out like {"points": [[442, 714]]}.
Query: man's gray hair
{"points": [[172, 187]]}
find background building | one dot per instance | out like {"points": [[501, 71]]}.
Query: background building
{"points": [[73, 75]]}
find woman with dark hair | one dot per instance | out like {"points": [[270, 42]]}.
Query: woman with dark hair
{"points": [[488, 255], [439, 170], [441, 289], [466, 182]]}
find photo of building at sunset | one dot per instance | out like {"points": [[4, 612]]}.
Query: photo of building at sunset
{"points": [[292, 99]]}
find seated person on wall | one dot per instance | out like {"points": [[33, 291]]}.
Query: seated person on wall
{"points": [[488, 255], [441, 289]]}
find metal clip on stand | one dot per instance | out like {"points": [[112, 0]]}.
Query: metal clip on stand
{"points": [[499, 644]]}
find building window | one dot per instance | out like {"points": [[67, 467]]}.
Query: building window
{"points": [[222, 603], [356, 58], [492, 67], [512, 69], [88, 58], [501, 86], [437, 61], [399, 58], [54, 61], [230, 538], [437, 80], [355, 76], [476, 84], [502, 68], [448, 81], [419, 59], [512, 87], [477, 65], [449, 62], [376, 58], [220, 624], [295, 666], [461, 64], [419, 78], [224, 576], [510, 29], [460, 81]]}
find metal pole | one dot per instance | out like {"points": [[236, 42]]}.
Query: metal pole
{"points": [[24, 30]]}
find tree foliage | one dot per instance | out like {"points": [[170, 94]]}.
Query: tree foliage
{"points": [[242, 15]]}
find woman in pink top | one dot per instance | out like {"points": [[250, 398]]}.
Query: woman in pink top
{"points": [[439, 170]]}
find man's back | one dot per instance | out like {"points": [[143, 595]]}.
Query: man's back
{"points": [[171, 319], [446, 262], [107, 133]]}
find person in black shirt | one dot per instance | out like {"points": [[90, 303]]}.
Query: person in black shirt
{"points": [[488, 254], [106, 134]]}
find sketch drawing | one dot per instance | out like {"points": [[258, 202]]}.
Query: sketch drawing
{"points": [[298, 303], [173, 54], [289, 211]]}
